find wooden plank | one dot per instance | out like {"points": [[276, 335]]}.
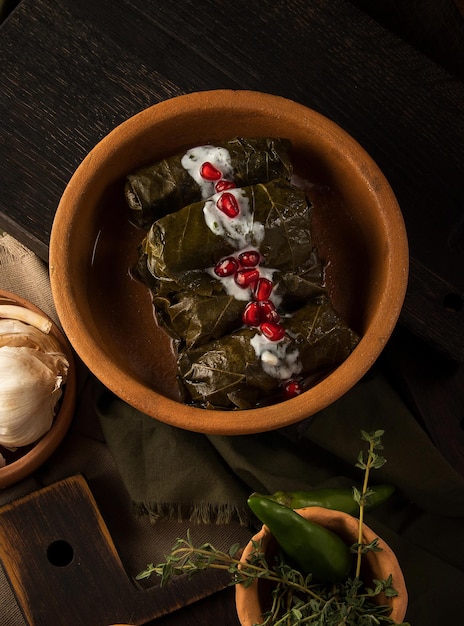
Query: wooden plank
{"points": [[434, 311], [433, 386], [73, 70], [62, 91], [64, 568]]}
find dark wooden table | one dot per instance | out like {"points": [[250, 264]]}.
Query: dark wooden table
{"points": [[72, 70]]}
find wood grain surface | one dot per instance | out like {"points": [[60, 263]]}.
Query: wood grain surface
{"points": [[66, 570], [72, 71]]}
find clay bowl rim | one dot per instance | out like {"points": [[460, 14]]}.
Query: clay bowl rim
{"points": [[382, 563], [28, 463], [249, 421]]}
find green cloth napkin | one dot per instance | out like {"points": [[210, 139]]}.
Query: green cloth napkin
{"points": [[174, 473], [169, 471]]}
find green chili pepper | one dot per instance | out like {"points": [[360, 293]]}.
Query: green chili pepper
{"points": [[332, 498], [314, 549]]}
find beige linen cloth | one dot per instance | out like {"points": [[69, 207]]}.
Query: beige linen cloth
{"points": [[84, 451]]}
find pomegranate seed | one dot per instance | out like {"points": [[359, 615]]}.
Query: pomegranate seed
{"points": [[245, 278], [226, 267], [250, 314], [227, 203], [263, 289], [209, 172], [267, 312], [223, 185], [292, 388], [250, 258], [272, 330]]}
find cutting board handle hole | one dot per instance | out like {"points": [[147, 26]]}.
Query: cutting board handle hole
{"points": [[60, 553]]}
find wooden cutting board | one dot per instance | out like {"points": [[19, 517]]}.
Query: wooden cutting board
{"points": [[64, 568]]}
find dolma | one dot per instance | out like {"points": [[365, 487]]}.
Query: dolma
{"points": [[244, 369], [237, 282], [275, 218], [170, 184], [193, 319]]}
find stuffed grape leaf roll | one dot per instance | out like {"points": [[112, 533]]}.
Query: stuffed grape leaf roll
{"points": [[193, 319], [174, 182], [244, 368], [274, 217]]}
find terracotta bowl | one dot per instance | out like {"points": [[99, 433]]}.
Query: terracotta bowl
{"points": [[108, 317], [25, 460], [251, 602]]}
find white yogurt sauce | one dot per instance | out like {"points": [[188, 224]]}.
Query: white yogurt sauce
{"points": [[276, 360], [230, 286], [246, 293], [244, 233], [219, 157], [242, 230]]}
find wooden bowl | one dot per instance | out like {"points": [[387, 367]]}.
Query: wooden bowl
{"points": [[108, 317], [25, 460], [251, 602]]}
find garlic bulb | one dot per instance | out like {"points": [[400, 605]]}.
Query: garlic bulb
{"points": [[32, 371]]}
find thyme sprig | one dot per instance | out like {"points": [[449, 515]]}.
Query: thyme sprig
{"points": [[296, 599], [372, 461], [186, 558]]}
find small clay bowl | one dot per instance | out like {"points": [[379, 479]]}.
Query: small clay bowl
{"points": [[25, 460], [252, 602], [108, 316]]}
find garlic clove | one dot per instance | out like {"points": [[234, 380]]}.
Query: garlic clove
{"points": [[17, 333], [31, 383], [14, 311]]}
